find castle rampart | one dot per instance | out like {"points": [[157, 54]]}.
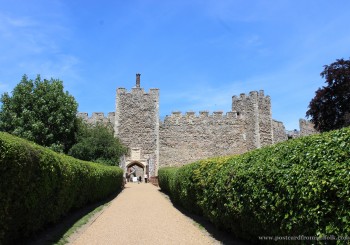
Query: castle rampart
{"points": [[190, 137], [279, 132], [306, 128], [201, 114], [183, 138], [98, 117]]}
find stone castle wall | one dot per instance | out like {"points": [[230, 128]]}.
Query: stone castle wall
{"points": [[279, 132], [306, 128], [265, 120], [255, 109], [247, 108], [190, 137], [181, 139], [98, 117]]}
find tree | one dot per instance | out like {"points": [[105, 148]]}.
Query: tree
{"points": [[40, 111], [330, 108], [97, 143]]}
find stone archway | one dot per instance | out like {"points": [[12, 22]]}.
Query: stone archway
{"points": [[135, 169]]}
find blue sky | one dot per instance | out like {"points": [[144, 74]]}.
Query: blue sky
{"points": [[198, 53]]}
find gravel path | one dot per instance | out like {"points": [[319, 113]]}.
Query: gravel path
{"points": [[141, 214]]}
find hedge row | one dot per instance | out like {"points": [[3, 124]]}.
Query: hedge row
{"points": [[298, 187], [39, 186]]}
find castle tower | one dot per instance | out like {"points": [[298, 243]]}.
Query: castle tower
{"points": [[255, 109], [137, 126], [265, 119]]}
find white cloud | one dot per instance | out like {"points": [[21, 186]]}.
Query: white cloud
{"points": [[32, 46]]}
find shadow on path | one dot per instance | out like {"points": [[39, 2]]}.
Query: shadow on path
{"points": [[54, 232], [222, 236]]}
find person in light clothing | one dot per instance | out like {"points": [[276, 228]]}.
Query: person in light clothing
{"points": [[146, 178]]}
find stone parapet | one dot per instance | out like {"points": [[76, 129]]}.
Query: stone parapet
{"points": [[188, 137], [279, 132], [306, 127], [201, 114], [182, 138], [98, 117], [140, 91]]}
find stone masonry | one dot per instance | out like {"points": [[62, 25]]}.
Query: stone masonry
{"points": [[187, 138], [182, 139], [137, 125], [306, 127]]}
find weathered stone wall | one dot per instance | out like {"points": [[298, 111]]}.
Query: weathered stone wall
{"points": [[279, 132], [265, 119], [247, 108], [181, 139], [137, 121], [306, 127], [255, 109], [190, 137]]}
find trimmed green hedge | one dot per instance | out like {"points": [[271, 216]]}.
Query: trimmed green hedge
{"points": [[298, 187], [39, 186]]}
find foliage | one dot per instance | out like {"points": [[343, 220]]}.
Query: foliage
{"points": [[40, 111], [330, 108], [298, 187], [38, 186], [97, 143], [166, 178]]}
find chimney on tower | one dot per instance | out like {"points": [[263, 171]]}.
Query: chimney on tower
{"points": [[138, 80]]}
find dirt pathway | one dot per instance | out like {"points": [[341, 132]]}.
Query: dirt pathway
{"points": [[143, 215]]}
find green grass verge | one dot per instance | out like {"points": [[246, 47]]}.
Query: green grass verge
{"points": [[78, 224]]}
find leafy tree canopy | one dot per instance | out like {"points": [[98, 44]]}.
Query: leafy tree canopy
{"points": [[97, 143], [40, 111], [330, 108]]}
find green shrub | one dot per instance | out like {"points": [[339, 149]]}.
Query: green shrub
{"points": [[39, 186], [298, 187], [166, 178]]}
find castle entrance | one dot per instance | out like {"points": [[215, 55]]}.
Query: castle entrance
{"points": [[134, 171]]}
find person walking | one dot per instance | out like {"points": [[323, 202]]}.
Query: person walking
{"points": [[146, 178]]}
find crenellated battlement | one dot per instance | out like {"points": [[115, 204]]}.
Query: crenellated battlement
{"points": [[97, 117], [306, 127], [279, 131], [204, 120], [184, 137], [203, 115], [252, 96], [255, 107], [137, 91]]}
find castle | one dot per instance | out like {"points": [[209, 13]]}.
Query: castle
{"points": [[180, 139]]}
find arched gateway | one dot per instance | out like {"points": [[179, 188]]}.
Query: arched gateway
{"points": [[135, 170], [135, 166]]}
